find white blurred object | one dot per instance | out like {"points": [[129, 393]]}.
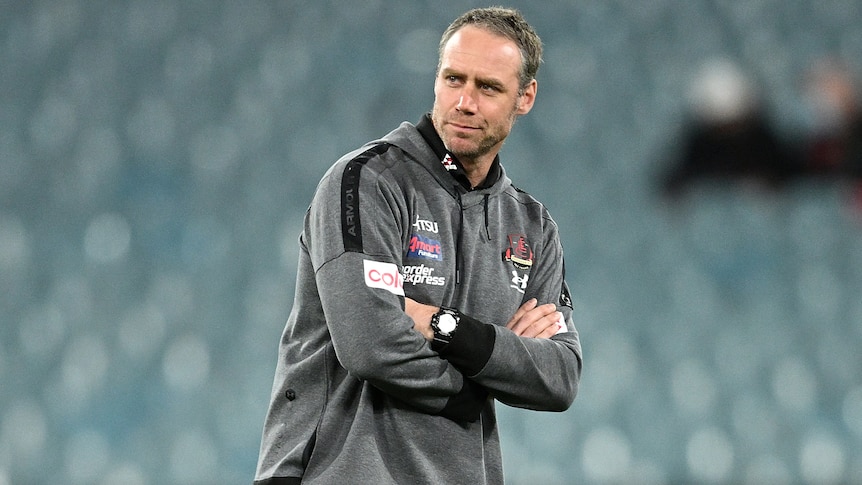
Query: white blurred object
{"points": [[721, 92]]}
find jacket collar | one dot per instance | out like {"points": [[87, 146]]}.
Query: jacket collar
{"points": [[450, 161]]}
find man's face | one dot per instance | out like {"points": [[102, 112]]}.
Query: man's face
{"points": [[476, 94]]}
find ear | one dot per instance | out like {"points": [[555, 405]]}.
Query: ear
{"points": [[526, 100]]}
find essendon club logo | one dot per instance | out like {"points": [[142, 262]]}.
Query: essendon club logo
{"points": [[519, 252]]}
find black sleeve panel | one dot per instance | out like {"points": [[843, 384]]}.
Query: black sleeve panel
{"points": [[467, 405], [471, 346]]}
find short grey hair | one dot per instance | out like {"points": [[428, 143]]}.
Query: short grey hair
{"points": [[508, 23]]}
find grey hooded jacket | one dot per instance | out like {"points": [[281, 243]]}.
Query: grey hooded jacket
{"points": [[359, 396]]}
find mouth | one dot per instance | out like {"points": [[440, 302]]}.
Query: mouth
{"points": [[462, 128]]}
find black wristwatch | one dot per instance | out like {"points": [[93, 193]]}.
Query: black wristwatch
{"points": [[444, 323]]}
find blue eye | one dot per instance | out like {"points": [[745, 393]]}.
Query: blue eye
{"points": [[490, 88]]}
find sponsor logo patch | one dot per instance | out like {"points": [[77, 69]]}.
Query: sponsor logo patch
{"points": [[383, 275], [425, 225], [422, 275], [424, 247]]}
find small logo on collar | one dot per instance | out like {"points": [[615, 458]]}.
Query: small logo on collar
{"points": [[449, 162]]}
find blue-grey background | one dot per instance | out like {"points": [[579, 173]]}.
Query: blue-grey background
{"points": [[157, 156]]}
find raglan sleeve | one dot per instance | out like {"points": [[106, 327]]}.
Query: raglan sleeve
{"points": [[533, 373], [355, 225]]}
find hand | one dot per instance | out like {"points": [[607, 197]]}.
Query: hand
{"points": [[421, 315], [536, 321]]}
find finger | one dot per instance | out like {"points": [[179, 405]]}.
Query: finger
{"points": [[552, 329], [531, 317], [524, 308], [544, 327]]}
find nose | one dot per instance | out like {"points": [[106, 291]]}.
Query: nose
{"points": [[466, 104]]}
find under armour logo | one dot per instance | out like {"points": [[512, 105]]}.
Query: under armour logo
{"points": [[518, 282]]}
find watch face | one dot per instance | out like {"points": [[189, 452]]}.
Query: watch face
{"points": [[446, 323]]}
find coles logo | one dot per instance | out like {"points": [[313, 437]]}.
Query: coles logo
{"points": [[383, 275]]}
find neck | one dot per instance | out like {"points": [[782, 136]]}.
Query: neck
{"points": [[476, 170]]}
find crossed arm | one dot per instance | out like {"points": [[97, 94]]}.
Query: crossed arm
{"points": [[531, 319]]}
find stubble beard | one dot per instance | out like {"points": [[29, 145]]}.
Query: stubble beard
{"points": [[464, 151]]}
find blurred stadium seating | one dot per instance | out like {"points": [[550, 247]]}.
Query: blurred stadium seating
{"points": [[156, 158]]}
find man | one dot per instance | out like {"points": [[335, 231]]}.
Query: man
{"points": [[428, 287]]}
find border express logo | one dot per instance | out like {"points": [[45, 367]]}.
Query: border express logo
{"points": [[422, 275], [383, 275], [424, 247]]}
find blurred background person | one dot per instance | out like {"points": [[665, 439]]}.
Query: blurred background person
{"points": [[728, 137], [833, 144]]}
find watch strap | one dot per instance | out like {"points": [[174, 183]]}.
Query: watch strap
{"points": [[441, 339]]}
